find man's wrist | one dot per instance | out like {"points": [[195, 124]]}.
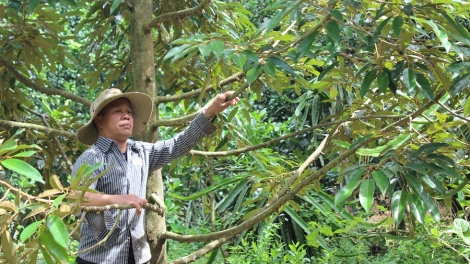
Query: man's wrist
{"points": [[209, 116]]}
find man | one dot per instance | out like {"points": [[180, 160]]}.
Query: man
{"points": [[115, 116]]}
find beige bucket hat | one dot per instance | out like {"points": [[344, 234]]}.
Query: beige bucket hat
{"points": [[141, 104]]}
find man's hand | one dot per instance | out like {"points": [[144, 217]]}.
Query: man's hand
{"points": [[219, 104], [131, 199]]}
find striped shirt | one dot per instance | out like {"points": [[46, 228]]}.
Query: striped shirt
{"points": [[128, 176]]}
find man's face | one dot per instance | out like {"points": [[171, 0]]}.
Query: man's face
{"points": [[116, 122]]}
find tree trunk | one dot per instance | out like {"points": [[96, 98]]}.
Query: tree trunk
{"points": [[143, 70]]}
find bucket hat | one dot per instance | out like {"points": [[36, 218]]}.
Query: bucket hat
{"points": [[141, 110]]}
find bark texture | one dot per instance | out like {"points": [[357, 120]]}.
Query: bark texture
{"points": [[143, 69]]}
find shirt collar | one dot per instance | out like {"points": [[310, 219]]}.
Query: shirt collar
{"points": [[104, 144]]}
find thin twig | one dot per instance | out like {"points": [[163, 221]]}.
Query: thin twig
{"points": [[105, 238], [59, 146]]}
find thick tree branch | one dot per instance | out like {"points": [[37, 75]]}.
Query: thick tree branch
{"points": [[49, 91], [151, 207], [47, 130], [178, 14], [201, 252]]}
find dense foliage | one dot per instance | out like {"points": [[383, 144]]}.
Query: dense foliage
{"points": [[350, 143]]}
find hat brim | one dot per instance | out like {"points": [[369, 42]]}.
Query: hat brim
{"points": [[142, 107]]}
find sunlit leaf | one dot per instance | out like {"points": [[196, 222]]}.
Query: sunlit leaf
{"points": [[416, 207], [409, 80], [381, 180], [29, 231], [398, 203], [366, 194], [346, 191], [22, 168], [441, 34]]}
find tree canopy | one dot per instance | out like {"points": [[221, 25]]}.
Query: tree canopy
{"points": [[343, 103]]}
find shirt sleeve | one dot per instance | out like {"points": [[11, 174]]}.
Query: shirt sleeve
{"points": [[162, 152]]}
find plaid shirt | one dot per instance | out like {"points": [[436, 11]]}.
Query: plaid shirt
{"points": [[129, 177]]}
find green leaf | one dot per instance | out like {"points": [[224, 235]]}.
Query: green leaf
{"points": [[208, 190], [466, 109], [33, 4], [458, 67], [346, 191], [205, 49], [115, 5], [461, 225], [251, 56], [378, 30], [58, 230], [431, 206], [332, 30], [239, 60], [424, 86], [399, 199], [363, 68], [397, 24], [415, 184], [441, 34], [269, 69], [229, 199], [366, 194], [218, 48], [392, 144], [356, 174], [305, 45], [46, 255], [58, 251], [416, 207], [370, 76], [281, 64], [460, 83], [29, 231], [409, 80], [253, 73], [69, 2], [381, 180], [176, 50], [456, 24], [22, 168], [58, 200], [25, 154], [273, 22], [382, 81], [428, 148], [327, 70], [297, 219]]}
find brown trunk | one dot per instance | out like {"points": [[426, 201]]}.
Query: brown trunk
{"points": [[143, 70]]}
